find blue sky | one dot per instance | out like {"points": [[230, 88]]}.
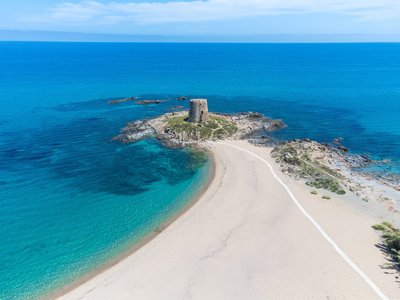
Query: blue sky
{"points": [[207, 17]]}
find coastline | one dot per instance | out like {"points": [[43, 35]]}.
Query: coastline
{"points": [[211, 219], [60, 292]]}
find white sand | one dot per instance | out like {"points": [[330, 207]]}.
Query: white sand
{"points": [[246, 239]]}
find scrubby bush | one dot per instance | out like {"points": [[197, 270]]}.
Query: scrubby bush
{"points": [[328, 184], [391, 239]]}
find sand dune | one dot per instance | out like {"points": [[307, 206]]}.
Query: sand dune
{"points": [[247, 239]]}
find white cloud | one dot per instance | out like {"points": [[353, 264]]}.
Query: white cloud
{"points": [[209, 10]]}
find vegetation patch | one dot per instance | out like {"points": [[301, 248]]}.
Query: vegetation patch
{"points": [[321, 176], [326, 197], [215, 128], [328, 184], [391, 240]]}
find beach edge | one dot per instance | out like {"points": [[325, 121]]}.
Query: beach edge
{"points": [[194, 199]]}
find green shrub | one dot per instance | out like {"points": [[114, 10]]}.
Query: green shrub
{"points": [[391, 239], [328, 184]]}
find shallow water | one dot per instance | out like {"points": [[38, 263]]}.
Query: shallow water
{"points": [[71, 199]]}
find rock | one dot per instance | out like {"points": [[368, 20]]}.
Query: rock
{"points": [[134, 132], [294, 155], [272, 125], [343, 148], [147, 102], [366, 158], [260, 141], [176, 107], [337, 141], [182, 98], [252, 123], [117, 101]]}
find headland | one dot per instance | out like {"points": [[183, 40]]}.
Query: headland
{"points": [[291, 221]]}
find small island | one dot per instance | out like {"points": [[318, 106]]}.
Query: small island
{"points": [[179, 129]]}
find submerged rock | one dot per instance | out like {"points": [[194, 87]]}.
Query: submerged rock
{"points": [[182, 98], [148, 102], [338, 141], [117, 101]]}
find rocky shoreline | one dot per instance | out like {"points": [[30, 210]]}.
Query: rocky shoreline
{"points": [[332, 168], [173, 130], [329, 167]]}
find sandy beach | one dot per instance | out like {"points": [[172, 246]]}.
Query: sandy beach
{"points": [[254, 234]]}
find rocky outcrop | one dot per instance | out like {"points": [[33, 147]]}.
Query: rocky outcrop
{"points": [[117, 101], [138, 102], [343, 149], [172, 129], [135, 131], [323, 166], [148, 102], [252, 123]]}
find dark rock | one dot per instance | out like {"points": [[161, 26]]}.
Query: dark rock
{"points": [[148, 102], [182, 98], [343, 148], [117, 101], [358, 161], [366, 158], [337, 141], [272, 125]]}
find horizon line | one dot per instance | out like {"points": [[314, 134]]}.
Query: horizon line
{"points": [[14, 35]]}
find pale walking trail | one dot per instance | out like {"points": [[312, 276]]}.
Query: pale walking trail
{"points": [[244, 239]]}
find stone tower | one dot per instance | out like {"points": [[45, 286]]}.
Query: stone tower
{"points": [[198, 111]]}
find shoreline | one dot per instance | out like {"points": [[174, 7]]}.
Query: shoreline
{"points": [[60, 292], [210, 227]]}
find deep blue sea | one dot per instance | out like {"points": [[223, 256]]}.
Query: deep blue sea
{"points": [[71, 199]]}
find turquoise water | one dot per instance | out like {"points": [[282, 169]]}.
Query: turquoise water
{"points": [[71, 199]]}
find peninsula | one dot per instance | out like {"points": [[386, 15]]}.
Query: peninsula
{"points": [[276, 222]]}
